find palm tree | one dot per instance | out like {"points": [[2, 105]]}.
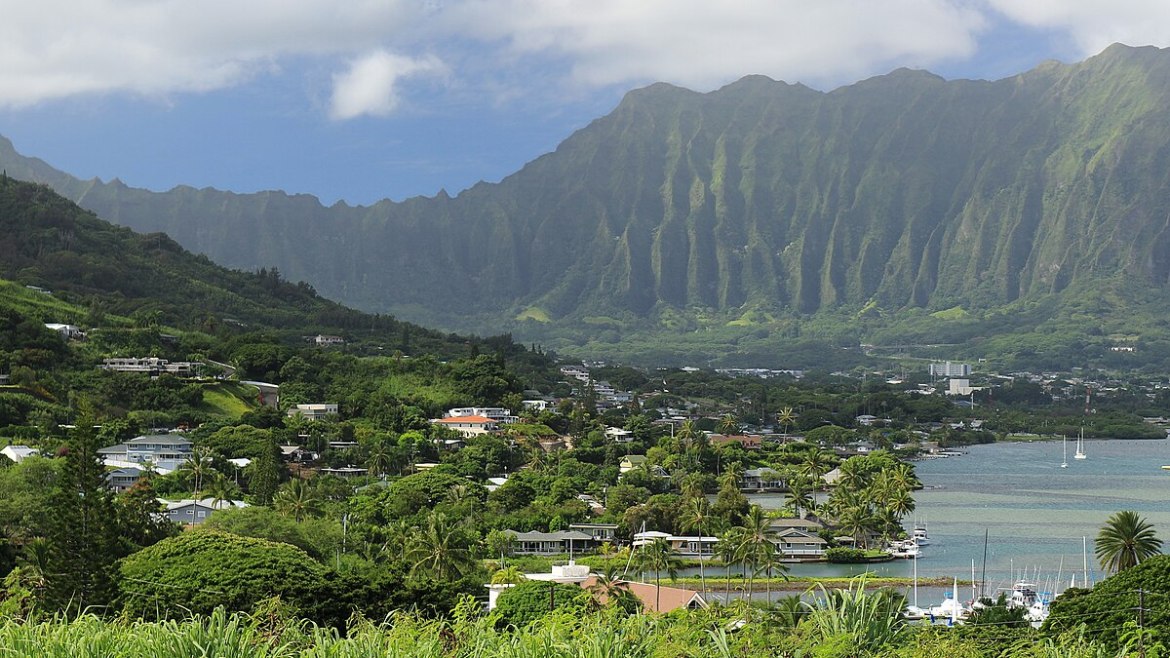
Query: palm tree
{"points": [[815, 464], [696, 514], [198, 466], [791, 610], [726, 549], [380, 458], [755, 545], [441, 549], [221, 490], [800, 498], [508, 576], [786, 418], [657, 556], [610, 588], [856, 519], [297, 499], [728, 425], [1125, 540]]}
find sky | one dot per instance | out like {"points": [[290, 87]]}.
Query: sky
{"points": [[360, 100]]}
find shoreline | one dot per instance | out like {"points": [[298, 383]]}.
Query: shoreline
{"points": [[805, 583]]}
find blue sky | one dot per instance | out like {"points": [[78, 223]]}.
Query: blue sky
{"points": [[364, 100]]}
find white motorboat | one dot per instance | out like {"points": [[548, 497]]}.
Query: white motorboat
{"points": [[919, 535], [906, 549], [1035, 604]]}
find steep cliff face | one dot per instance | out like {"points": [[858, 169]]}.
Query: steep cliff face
{"points": [[904, 190]]}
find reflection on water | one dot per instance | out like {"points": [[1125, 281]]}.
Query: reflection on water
{"points": [[1035, 512]]}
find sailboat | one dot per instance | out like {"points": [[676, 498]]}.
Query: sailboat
{"points": [[1080, 454], [1064, 442]]}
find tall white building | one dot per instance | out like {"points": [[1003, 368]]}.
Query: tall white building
{"points": [[949, 369]]}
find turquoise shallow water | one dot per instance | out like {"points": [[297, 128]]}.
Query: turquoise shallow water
{"points": [[1034, 512]]}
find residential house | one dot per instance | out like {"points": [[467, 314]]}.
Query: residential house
{"points": [[762, 479], [551, 543], [655, 598], [748, 441], [67, 331], [346, 472], [194, 512], [619, 435], [500, 415], [793, 542], [121, 479], [18, 453], [167, 450], [469, 426], [322, 340], [535, 405], [692, 545], [630, 462], [599, 532], [297, 454], [315, 411], [151, 366]]}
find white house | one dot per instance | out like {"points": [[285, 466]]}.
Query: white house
{"points": [[154, 448], [67, 331], [468, 426], [18, 453], [313, 411], [498, 414]]}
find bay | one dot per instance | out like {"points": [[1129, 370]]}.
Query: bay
{"points": [[1038, 516]]}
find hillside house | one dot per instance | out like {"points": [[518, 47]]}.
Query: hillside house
{"points": [[762, 479], [747, 441], [67, 331], [150, 449], [469, 426], [195, 512], [315, 411], [18, 453]]}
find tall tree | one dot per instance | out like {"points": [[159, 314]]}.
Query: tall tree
{"points": [[264, 475], [657, 556], [84, 537], [297, 499], [1125, 540], [696, 515], [440, 549]]}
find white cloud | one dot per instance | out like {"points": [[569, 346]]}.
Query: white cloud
{"points": [[53, 49], [1092, 25], [59, 48], [369, 87], [702, 44]]}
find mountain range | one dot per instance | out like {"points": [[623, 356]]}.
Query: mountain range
{"points": [[903, 207]]}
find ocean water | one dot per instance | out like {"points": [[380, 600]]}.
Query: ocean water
{"points": [[1037, 516]]}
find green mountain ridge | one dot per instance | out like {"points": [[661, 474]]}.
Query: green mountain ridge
{"points": [[49, 242], [760, 205]]}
